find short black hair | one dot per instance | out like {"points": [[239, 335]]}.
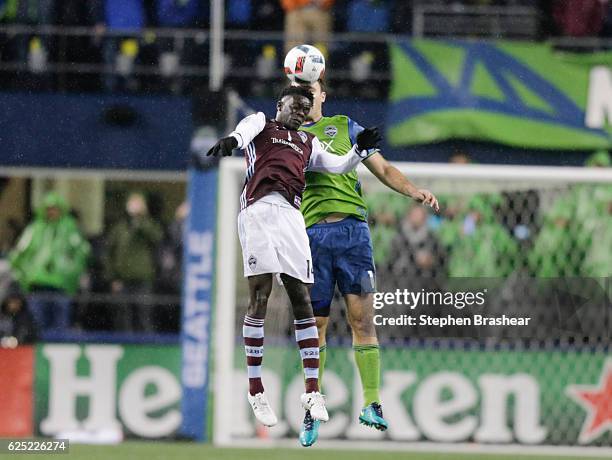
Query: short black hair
{"points": [[296, 91]]}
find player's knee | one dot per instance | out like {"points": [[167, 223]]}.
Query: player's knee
{"points": [[363, 326], [256, 310], [302, 308], [322, 325], [257, 306]]}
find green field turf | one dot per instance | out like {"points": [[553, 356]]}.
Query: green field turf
{"points": [[183, 451]]}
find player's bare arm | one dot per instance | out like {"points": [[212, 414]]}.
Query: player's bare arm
{"points": [[395, 180]]}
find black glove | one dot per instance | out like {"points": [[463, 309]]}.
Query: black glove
{"points": [[368, 139], [202, 161], [223, 146]]}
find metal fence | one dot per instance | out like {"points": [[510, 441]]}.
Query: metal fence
{"points": [[177, 60], [459, 20]]}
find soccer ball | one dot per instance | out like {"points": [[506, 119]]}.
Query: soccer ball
{"points": [[304, 64]]}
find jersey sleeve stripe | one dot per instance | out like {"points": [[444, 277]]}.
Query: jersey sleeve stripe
{"points": [[251, 157], [251, 160], [243, 198]]}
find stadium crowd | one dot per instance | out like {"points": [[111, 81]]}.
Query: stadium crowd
{"points": [[54, 279], [58, 279], [345, 15], [129, 278], [543, 233], [124, 37]]}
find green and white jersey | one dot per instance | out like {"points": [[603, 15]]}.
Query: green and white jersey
{"points": [[327, 193]]}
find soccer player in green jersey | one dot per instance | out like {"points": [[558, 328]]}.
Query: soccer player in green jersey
{"points": [[336, 221]]}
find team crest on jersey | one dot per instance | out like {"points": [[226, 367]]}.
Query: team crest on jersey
{"points": [[303, 136], [330, 131], [252, 262]]}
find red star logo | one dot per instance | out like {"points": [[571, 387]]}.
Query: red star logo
{"points": [[597, 401]]}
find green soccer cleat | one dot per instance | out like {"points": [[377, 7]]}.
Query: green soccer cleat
{"points": [[309, 431], [372, 416]]}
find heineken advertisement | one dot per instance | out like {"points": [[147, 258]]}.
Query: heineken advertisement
{"points": [[129, 389], [447, 395], [518, 94], [520, 397]]}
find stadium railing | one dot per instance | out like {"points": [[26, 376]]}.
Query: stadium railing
{"points": [[459, 20], [246, 51]]}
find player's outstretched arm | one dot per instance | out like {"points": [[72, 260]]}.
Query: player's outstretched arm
{"points": [[395, 180], [245, 132], [248, 128], [323, 161]]}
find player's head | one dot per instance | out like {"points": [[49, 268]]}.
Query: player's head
{"points": [[293, 106], [318, 90]]}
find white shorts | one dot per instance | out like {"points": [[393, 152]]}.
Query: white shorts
{"points": [[274, 240]]}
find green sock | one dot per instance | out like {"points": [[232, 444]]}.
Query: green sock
{"points": [[367, 358], [322, 356]]}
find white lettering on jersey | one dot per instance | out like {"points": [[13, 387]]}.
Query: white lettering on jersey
{"points": [[290, 144]]}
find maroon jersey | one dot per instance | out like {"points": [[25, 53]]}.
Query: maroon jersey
{"points": [[276, 161]]}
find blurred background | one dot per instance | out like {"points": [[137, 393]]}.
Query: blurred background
{"points": [[103, 101]]}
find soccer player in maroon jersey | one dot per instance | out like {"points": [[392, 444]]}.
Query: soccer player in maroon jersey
{"points": [[273, 234]]}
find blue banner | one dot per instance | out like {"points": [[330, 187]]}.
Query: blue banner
{"points": [[197, 299], [95, 131]]}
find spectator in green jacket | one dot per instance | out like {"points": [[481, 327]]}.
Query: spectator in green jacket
{"points": [[130, 264], [558, 249], [587, 199], [483, 248], [598, 258], [573, 237], [598, 223], [384, 212], [50, 256]]}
